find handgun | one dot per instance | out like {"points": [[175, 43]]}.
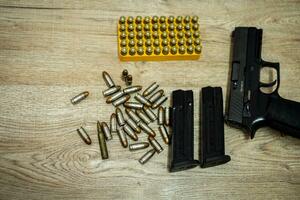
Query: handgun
{"points": [[248, 106]]}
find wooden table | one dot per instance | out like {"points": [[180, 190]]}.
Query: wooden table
{"points": [[52, 50]]}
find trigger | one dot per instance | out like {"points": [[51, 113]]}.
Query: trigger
{"points": [[268, 84]]}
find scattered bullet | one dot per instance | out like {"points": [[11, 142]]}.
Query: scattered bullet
{"points": [[113, 123], [150, 89], [159, 102], [149, 113], [128, 130], [84, 135], [121, 100], [120, 117], [105, 130], [128, 80], [147, 156], [133, 105], [78, 98], [167, 116], [122, 136], [156, 96], [155, 144], [115, 96], [132, 89], [161, 116], [132, 115], [107, 79], [138, 146], [124, 74], [143, 116], [142, 99], [111, 90], [146, 129], [133, 125], [102, 142], [164, 134]]}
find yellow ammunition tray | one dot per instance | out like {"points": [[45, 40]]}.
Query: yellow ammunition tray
{"points": [[159, 38]]}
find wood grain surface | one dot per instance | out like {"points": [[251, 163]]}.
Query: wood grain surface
{"points": [[51, 50]]}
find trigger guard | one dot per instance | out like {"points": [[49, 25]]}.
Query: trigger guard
{"points": [[268, 84]]}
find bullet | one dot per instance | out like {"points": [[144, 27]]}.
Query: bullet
{"points": [[122, 136], [146, 27], [173, 42], [131, 44], [140, 50], [138, 19], [198, 49], [146, 20], [120, 117], [124, 74], [140, 43], [123, 51], [123, 35], [132, 89], [147, 34], [121, 100], [154, 19], [180, 35], [155, 35], [139, 28], [197, 41], [113, 123], [173, 50], [172, 34], [190, 49], [179, 27], [123, 43], [147, 156], [159, 102], [188, 34], [102, 142], [155, 144], [195, 27], [107, 79], [179, 19], [143, 116], [165, 50], [181, 49], [142, 99], [149, 113], [128, 80], [187, 19], [156, 96], [157, 50], [163, 27], [155, 27], [115, 96], [156, 42], [167, 116], [171, 19], [122, 27], [105, 130], [164, 42], [138, 146], [132, 51], [133, 125], [187, 27], [111, 90], [132, 115], [162, 19], [130, 20], [131, 35], [148, 42], [128, 130], [164, 133], [84, 135], [146, 129], [195, 19], [149, 50], [181, 42], [196, 34], [161, 115], [133, 105], [171, 28], [122, 20], [189, 41], [150, 89], [79, 97]]}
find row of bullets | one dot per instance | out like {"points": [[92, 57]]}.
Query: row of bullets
{"points": [[139, 115]]}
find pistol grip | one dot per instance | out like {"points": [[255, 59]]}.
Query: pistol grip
{"points": [[284, 115]]}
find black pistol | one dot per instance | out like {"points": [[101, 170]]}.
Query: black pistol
{"points": [[248, 106]]}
